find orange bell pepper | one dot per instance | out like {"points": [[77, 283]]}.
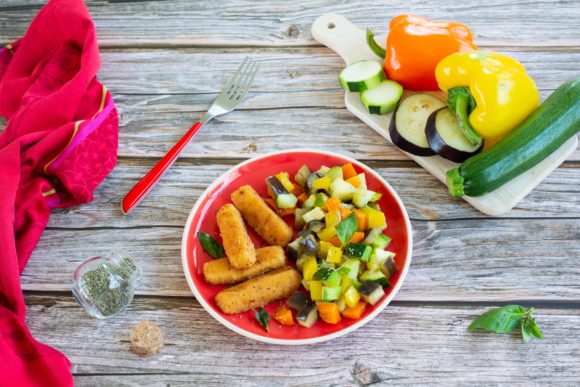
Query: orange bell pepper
{"points": [[344, 213], [328, 312], [357, 237], [354, 312], [332, 204], [348, 171], [354, 181], [416, 45], [361, 219], [284, 315]]}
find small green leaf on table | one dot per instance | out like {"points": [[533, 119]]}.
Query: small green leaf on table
{"points": [[506, 319]]}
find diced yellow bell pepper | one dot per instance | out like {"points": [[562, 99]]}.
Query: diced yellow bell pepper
{"points": [[316, 290], [322, 183], [323, 249], [351, 297], [345, 284], [309, 268], [377, 219], [285, 180], [334, 255], [327, 234], [332, 218]]}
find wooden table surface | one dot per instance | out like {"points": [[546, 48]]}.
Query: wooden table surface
{"points": [[165, 61]]}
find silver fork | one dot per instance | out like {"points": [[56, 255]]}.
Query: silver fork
{"points": [[231, 96]]}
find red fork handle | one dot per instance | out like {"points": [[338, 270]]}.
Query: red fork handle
{"points": [[142, 188]]}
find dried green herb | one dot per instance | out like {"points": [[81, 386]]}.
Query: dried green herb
{"points": [[109, 286]]}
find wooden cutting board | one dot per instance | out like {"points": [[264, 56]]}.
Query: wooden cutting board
{"points": [[344, 38]]}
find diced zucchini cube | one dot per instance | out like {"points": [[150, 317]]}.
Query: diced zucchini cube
{"points": [[334, 173], [314, 214], [381, 241], [342, 190], [358, 251]]}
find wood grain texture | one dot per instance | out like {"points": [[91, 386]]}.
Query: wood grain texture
{"points": [[287, 23], [438, 348], [464, 260], [171, 200]]}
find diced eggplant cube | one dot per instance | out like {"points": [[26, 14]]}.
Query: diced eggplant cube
{"points": [[388, 267], [276, 186], [315, 226], [308, 245], [307, 315], [298, 300], [293, 249], [371, 292]]}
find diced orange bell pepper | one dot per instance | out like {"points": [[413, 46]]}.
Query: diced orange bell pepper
{"points": [[348, 171], [284, 315], [335, 241], [344, 213], [354, 181], [332, 204], [357, 237], [354, 312], [361, 219], [302, 197], [328, 312]]}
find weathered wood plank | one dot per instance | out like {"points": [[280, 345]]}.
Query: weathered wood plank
{"points": [[243, 22], [403, 345], [205, 70], [284, 105], [466, 260], [173, 88], [425, 197]]}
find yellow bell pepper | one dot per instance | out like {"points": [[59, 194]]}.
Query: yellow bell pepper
{"points": [[490, 93]]}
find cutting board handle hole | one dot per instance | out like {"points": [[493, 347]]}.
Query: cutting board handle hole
{"points": [[331, 25]]}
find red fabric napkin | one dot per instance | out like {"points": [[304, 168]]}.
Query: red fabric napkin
{"points": [[59, 144]]}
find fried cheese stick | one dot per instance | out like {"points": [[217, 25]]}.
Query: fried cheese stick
{"points": [[258, 291], [237, 243], [220, 272], [261, 217]]}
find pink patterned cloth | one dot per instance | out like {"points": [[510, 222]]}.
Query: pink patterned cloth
{"points": [[59, 144]]}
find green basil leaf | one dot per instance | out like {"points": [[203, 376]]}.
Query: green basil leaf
{"points": [[346, 228], [263, 318], [499, 320], [530, 328], [526, 331], [322, 274], [210, 245]]}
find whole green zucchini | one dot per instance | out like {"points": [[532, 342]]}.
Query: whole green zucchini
{"points": [[545, 130]]}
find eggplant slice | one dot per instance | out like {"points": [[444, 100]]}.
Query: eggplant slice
{"points": [[407, 127], [446, 138]]}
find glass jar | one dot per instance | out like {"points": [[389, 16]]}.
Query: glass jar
{"points": [[104, 286]]}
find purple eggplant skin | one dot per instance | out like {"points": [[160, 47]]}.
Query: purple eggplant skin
{"points": [[401, 143], [440, 147]]}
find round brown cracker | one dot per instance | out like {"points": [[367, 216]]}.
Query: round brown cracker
{"points": [[146, 338]]}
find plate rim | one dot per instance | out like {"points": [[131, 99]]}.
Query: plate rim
{"points": [[312, 340]]}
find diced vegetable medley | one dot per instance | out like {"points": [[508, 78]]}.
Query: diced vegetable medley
{"points": [[340, 248]]}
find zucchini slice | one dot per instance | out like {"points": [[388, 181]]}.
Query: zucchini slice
{"points": [[408, 124], [382, 99], [362, 75], [447, 139]]}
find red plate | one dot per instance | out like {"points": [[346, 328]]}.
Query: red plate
{"points": [[254, 172]]}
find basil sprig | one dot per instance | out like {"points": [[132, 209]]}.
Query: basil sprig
{"points": [[263, 318], [210, 245], [346, 228], [507, 319]]}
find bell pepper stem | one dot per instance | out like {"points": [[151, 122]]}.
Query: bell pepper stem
{"points": [[459, 103], [373, 45]]}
